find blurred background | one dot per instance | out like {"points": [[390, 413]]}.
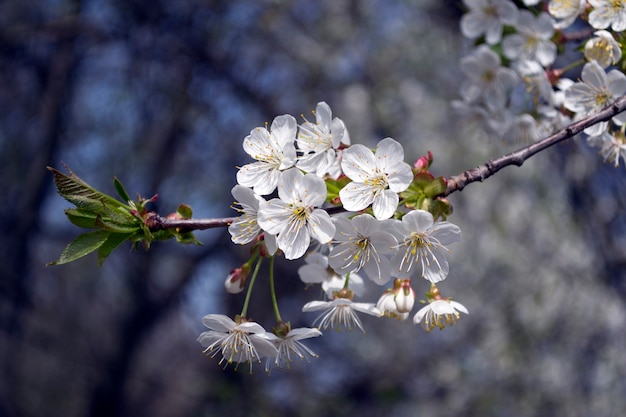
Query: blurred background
{"points": [[161, 95]]}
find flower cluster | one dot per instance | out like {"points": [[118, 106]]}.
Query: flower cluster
{"points": [[388, 226], [516, 85]]}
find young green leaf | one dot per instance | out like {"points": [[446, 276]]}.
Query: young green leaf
{"points": [[110, 244], [81, 246]]}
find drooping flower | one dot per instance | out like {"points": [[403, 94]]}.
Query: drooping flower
{"points": [[293, 217], [422, 246], [487, 17], [604, 49], [237, 342], [596, 91], [397, 302], [340, 313], [361, 243], [532, 40], [607, 13], [319, 143], [486, 79], [274, 151], [289, 346], [376, 177], [439, 313]]}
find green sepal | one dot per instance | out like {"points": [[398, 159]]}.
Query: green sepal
{"points": [[333, 187], [83, 245]]}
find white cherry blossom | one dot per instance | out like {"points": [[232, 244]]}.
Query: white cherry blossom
{"points": [[362, 243], [487, 17], [274, 151], [565, 11], [340, 313], [289, 347], [532, 40], [439, 313], [293, 217], [319, 143], [422, 246], [612, 146], [376, 177], [317, 271], [607, 13], [596, 91], [487, 79], [235, 342], [604, 49]]}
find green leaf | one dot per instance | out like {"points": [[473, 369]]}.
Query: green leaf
{"points": [[184, 211], [81, 246], [110, 244], [78, 192], [82, 218], [121, 191], [114, 227]]}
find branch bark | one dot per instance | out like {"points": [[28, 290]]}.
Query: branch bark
{"points": [[456, 182]]}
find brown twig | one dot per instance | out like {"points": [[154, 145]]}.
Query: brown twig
{"points": [[455, 183]]}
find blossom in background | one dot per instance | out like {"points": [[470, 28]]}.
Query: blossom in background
{"points": [[376, 177], [607, 13], [289, 346], [340, 313], [293, 216], [361, 243], [536, 82], [603, 49], [274, 151], [565, 11], [439, 313], [487, 17], [596, 91], [532, 40], [522, 130], [612, 146], [422, 246], [317, 271], [319, 143], [240, 342], [486, 79]]}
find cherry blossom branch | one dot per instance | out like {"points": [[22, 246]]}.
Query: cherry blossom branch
{"points": [[517, 158], [455, 183]]}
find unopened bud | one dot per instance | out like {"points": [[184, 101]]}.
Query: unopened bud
{"points": [[236, 280], [423, 163], [404, 297]]}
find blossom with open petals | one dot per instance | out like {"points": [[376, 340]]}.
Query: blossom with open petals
{"points": [[422, 246], [565, 11], [439, 313], [293, 217], [340, 313], [236, 342], [319, 143], [487, 17], [532, 40], [596, 91], [274, 151], [377, 177], [487, 79], [607, 13], [362, 243], [604, 49]]}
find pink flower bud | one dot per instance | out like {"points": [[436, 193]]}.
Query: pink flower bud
{"points": [[236, 280]]}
